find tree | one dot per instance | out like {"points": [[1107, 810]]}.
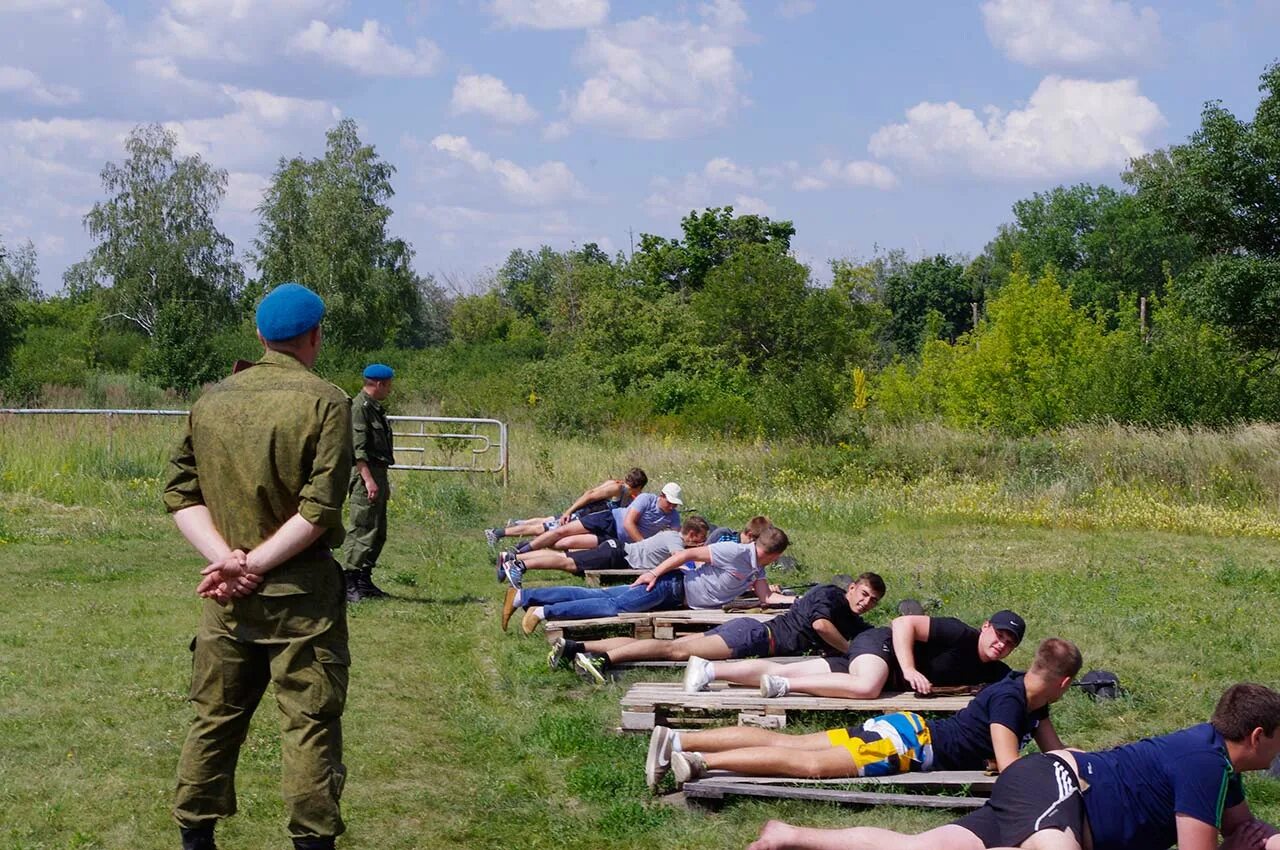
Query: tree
{"points": [[157, 241], [914, 291], [17, 284], [323, 223], [710, 239], [1222, 188]]}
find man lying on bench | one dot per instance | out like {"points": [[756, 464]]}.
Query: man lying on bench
{"points": [[613, 555], [1183, 788], [916, 652], [607, 495], [644, 554], [825, 618], [999, 722]]}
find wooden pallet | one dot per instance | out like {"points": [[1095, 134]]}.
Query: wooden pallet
{"points": [[778, 659], [717, 785], [648, 703], [649, 624]]}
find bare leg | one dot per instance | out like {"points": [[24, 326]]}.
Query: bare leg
{"points": [[749, 671], [548, 538], [737, 737], [526, 528], [547, 559], [777, 835], [711, 647], [865, 680], [1052, 839], [578, 541], [827, 763]]}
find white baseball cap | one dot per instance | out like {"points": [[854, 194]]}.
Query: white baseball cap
{"points": [[672, 492]]}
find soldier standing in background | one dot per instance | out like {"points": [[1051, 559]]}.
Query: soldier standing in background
{"points": [[370, 489], [256, 486]]}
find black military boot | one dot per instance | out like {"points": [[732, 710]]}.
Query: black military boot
{"points": [[313, 844], [368, 589], [197, 838], [354, 591]]}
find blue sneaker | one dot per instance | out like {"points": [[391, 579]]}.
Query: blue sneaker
{"points": [[514, 571], [501, 572]]}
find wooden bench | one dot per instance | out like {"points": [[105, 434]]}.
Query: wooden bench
{"points": [[649, 624], [649, 703], [857, 791]]}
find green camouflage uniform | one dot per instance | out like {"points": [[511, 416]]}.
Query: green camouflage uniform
{"points": [[371, 443], [269, 442]]}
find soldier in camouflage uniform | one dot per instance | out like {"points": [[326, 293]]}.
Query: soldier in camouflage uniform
{"points": [[370, 489], [257, 486]]}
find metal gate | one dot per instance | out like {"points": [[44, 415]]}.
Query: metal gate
{"points": [[482, 443]]}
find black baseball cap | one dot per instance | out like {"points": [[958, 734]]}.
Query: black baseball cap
{"points": [[1010, 622]]}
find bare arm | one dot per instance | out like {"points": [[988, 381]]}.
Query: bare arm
{"points": [[830, 635], [906, 631], [631, 524], [1196, 834], [675, 562], [599, 493], [1242, 831], [196, 525], [289, 540], [1046, 737], [1004, 743], [370, 486]]}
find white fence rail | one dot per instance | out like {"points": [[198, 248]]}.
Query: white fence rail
{"points": [[482, 443]]}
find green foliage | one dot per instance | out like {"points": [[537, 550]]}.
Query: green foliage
{"points": [[17, 284], [710, 239], [323, 223], [914, 291], [480, 318]]}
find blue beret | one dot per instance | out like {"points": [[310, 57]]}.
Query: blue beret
{"points": [[287, 311], [379, 372]]}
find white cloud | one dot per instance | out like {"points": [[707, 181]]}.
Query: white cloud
{"points": [[235, 31], [27, 83], [259, 129], [367, 51], [716, 185], [551, 14], [751, 205], [548, 183], [489, 96], [1069, 127], [1082, 36], [654, 79], [856, 173], [555, 131], [796, 8], [724, 170]]}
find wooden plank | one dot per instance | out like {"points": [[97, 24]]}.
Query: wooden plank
{"points": [[975, 780], [718, 789], [780, 659]]}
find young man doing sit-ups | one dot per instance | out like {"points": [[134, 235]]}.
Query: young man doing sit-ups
{"points": [[1001, 720], [645, 517], [609, 494], [1183, 788], [915, 652]]}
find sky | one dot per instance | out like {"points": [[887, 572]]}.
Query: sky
{"points": [[519, 123]]}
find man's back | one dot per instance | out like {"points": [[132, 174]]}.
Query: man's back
{"points": [[1134, 792]]}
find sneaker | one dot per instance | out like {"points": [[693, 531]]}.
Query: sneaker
{"points": [[687, 767], [590, 667], [514, 571], [774, 686], [697, 674], [501, 562], [658, 762], [529, 622], [555, 658], [491, 537], [509, 606]]}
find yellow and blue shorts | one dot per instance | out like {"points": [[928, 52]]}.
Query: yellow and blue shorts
{"points": [[888, 744]]}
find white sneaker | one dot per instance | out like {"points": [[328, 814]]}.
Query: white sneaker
{"points": [[687, 767], [774, 686], [697, 674], [658, 761]]}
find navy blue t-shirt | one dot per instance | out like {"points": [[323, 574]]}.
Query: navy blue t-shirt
{"points": [[963, 741], [1135, 792]]}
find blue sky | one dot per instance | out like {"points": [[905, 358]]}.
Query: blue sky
{"points": [[517, 123]]}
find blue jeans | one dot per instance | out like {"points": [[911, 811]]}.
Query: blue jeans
{"points": [[580, 603]]}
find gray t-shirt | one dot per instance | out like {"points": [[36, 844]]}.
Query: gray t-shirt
{"points": [[732, 571], [648, 553]]}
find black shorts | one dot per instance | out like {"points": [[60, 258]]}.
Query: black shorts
{"points": [[609, 555], [1036, 792], [747, 637], [877, 642], [601, 525]]}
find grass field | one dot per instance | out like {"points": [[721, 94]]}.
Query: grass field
{"points": [[1158, 553]]}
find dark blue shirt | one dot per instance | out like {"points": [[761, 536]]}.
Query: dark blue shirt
{"points": [[793, 632], [963, 741], [1134, 792]]}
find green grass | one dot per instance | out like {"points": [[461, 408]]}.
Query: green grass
{"points": [[456, 734]]}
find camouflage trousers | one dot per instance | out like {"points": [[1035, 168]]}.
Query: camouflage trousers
{"points": [[368, 532], [295, 639]]}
